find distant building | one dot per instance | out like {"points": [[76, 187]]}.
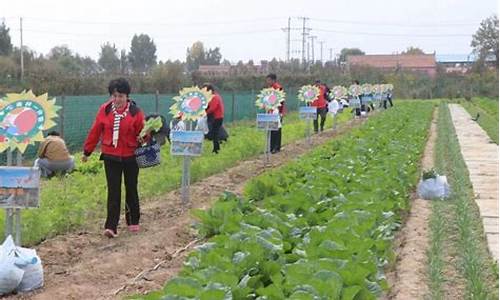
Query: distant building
{"points": [[422, 63], [228, 70], [461, 63], [214, 70]]}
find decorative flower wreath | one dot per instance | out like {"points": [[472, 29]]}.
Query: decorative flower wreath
{"points": [[308, 93], [191, 103], [269, 99], [355, 90], [388, 87], [367, 89], [377, 88], [338, 92], [23, 116]]}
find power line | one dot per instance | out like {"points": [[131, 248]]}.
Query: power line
{"points": [[440, 24], [395, 34], [114, 35], [44, 20]]}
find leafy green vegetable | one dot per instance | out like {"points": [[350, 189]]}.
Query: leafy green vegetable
{"points": [[319, 227]]}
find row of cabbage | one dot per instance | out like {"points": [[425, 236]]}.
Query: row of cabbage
{"points": [[320, 227]]}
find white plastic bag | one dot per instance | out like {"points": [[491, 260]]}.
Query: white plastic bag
{"points": [[30, 263], [202, 125], [10, 274], [434, 188]]}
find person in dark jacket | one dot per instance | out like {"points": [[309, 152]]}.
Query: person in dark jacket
{"points": [[215, 111], [271, 82], [117, 126]]}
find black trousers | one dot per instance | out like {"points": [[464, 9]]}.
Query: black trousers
{"points": [[276, 140], [320, 112], [214, 134], [114, 171]]}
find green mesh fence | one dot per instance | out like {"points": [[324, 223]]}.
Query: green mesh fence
{"points": [[78, 112]]}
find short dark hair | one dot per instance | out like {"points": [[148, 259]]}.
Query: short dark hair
{"points": [[53, 133], [272, 76], [318, 81], [208, 86], [119, 85], [356, 82]]}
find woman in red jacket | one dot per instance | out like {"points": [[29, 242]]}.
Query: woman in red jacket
{"points": [[215, 112], [117, 126], [321, 104]]}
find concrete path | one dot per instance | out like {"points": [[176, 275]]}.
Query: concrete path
{"points": [[481, 157]]}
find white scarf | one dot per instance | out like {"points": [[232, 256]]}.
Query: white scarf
{"points": [[116, 124]]}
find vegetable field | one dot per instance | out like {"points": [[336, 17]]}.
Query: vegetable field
{"points": [[323, 220], [319, 228]]}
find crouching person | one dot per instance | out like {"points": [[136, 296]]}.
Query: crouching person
{"points": [[53, 156]]}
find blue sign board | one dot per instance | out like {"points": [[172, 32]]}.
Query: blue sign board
{"points": [[19, 187], [308, 112], [187, 143], [269, 122]]}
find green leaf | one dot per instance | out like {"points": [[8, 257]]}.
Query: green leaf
{"points": [[350, 293]]}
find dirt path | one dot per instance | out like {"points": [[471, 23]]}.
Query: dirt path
{"points": [[481, 157], [89, 266], [408, 280]]}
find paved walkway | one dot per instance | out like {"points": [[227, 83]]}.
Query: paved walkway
{"points": [[481, 157]]}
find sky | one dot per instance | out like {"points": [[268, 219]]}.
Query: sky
{"points": [[251, 29]]}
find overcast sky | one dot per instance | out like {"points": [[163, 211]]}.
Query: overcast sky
{"points": [[249, 29]]}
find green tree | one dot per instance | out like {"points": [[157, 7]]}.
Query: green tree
{"points": [[349, 51], [485, 40], [59, 52], [213, 56], [413, 50], [124, 63], [5, 42], [195, 56], [142, 54], [108, 58]]}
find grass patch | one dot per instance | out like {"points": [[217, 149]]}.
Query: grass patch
{"points": [[463, 231], [488, 110]]}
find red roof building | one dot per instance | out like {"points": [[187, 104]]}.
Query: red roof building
{"points": [[424, 63]]}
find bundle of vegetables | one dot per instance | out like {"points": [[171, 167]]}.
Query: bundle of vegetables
{"points": [[151, 125]]}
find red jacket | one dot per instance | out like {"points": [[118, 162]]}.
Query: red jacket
{"points": [[216, 107], [320, 102], [281, 108], [102, 130]]}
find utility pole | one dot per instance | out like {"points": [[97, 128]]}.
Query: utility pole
{"points": [[312, 37], [22, 49], [304, 35], [308, 52], [287, 30], [321, 51]]}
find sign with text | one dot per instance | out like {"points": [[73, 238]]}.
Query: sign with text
{"points": [[187, 143], [354, 103], [308, 112], [19, 187], [366, 99], [269, 122]]}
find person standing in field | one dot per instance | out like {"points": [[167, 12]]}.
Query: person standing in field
{"points": [[215, 115], [53, 156], [321, 107], [117, 126], [272, 82]]}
